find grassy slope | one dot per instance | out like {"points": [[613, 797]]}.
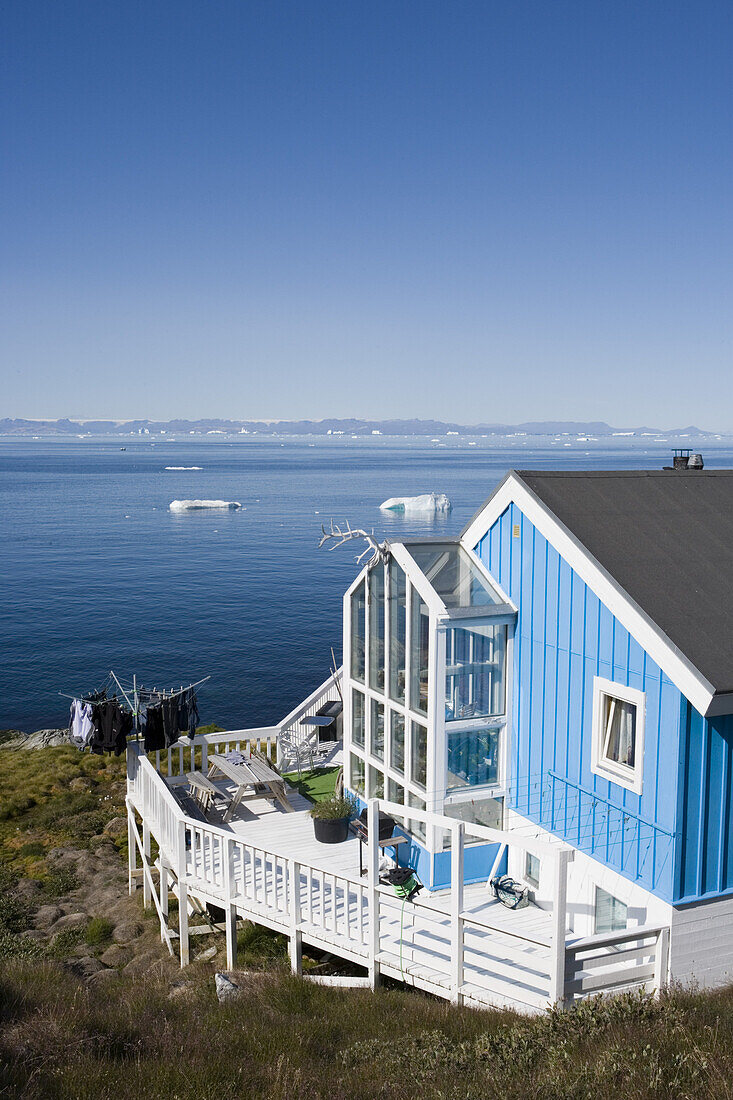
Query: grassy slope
{"points": [[139, 1036], [289, 1039], [52, 797]]}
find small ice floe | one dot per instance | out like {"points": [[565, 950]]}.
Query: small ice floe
{"points": [[184, 467], [201, 505], [428, 502]]}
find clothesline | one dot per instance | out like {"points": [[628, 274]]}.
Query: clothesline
{"points": [[133, 689], [101, 721]]}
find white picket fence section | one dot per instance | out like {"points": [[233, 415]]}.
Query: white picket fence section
{"points": [[436, 944]]}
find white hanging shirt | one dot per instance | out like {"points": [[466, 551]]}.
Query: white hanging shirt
{"points": [[81, 727]]}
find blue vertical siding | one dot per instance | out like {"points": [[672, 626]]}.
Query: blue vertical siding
{"points": [[706, 758], [564, 638]]}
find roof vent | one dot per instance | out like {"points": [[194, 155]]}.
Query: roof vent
{"points": [[680, 460], [684, 459]]}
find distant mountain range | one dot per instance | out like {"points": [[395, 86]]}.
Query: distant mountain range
{"points": [[596, 429]]}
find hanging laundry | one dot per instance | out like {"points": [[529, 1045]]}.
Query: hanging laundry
{"points": [[170, 719], [188, 712], [81, 727], [111, 727], [153, 732], [193, 713]]}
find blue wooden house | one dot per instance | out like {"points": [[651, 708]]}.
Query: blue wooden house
{"points": [[564, 671]]}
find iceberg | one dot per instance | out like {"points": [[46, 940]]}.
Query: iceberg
{"points": [[184, 467], [200, 505], [428, 502]]}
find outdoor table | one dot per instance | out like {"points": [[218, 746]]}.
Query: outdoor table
{"points": [[247, 776]]}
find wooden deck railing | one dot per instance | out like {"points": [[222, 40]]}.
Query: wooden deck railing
{"points": [[617, 960], [190, 753], [455, 952], [290, 727]]}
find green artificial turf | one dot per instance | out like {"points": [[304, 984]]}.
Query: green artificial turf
{"points": [[315, 785]]}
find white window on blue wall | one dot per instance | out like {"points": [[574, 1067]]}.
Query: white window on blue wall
{"points": [[610, 913], [532, 868], [618, 733]]}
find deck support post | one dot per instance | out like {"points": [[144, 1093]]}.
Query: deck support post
{"points": [[661, 961], [164, 888], [231, 936], [295, 950], [183, 921], [146, 858], [559, 922], [456, 910], [131, 851], [296, 936], [373, 877]]}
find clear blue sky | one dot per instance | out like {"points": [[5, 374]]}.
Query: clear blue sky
{"points": [[489, 211]]}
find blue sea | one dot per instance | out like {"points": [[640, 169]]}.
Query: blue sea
{"points": [[98, 574]]}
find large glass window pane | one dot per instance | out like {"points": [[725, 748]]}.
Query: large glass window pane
{"points": [[417, 828], [477, 811], [356, 771], [397, 632], [419, 637], [453, 574], [397, 742], [358, 632], [377, 734], [473, 757], [395, 791], [376, 783], [419, 746], [376, 628], [475, 661], [357, 718], [474, 811]]}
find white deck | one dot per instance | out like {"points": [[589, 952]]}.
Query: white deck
{"points": [[266, 865], [415, 938]]}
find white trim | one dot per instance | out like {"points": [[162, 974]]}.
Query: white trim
{"points": [[680, 670], [625, 776]]}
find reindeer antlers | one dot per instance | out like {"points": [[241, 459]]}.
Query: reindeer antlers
{"points": [[379, 551]]}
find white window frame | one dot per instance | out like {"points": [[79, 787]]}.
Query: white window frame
{"points": [[533, 880], [630, 778], [613, 897]]}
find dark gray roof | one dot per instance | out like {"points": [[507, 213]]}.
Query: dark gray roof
{"points": [[667, 538]]}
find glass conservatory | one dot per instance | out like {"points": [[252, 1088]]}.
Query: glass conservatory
{"points": [[426, 640]]}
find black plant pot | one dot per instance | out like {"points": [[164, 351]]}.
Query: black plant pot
{"points": [[332, 830]]}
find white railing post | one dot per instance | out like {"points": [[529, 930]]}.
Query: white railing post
{"points": [[559, 921], [373, 877], [456, 910], [296, 936], [181, 875], [230, 909], [164, 887], [146, 863], [131, 851], [661, 960]]}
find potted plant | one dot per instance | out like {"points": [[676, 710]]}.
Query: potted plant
{"points": [[331, 818]]}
